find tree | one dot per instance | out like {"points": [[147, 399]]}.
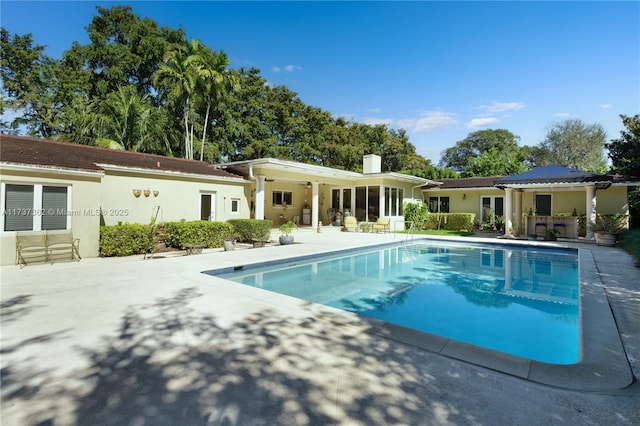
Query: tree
{"points": [[485, 153], [574, 144], [215, 79], [28, 85], [180, 74], [128, 120], [625, 151], [124, 50], [625, 158]]}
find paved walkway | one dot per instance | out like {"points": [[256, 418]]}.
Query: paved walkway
{"points": [[155, 342]]}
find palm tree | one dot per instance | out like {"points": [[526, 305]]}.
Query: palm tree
{"points": [[127, 120], [214, 81], [180, 72]]}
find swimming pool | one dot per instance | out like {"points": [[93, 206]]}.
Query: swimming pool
{"points": [[517, 300]]}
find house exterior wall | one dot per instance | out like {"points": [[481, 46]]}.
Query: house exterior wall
{"points": [[98, 199], [609, 201], [84, 214], [612, 200], [178, 198]]}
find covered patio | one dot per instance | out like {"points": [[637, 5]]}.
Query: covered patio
{"points": [[566, 184]]}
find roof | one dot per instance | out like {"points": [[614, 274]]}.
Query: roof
{"points": [[553, 173], [463, 183], [313, 170], [21, 150]]}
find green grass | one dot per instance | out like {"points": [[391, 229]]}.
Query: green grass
{"points": [[440, 232], [630, 241]]}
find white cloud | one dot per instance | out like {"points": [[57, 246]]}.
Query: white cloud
{"points": [[481, 122], [375, 110], [563, 114], [606, 106], [502, 107], [428, 121], [372, 121], [287, 68]]}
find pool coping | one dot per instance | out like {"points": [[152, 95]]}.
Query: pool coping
{"points": [[603, 364]]}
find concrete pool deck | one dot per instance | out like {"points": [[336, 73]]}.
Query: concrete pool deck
{"points": [[131, 341]]}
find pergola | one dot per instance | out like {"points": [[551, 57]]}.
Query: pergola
{"points": [[551, 178]]}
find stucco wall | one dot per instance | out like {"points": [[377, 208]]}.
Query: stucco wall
{"points": [[84, 213], [178, 198], [609, 201]]}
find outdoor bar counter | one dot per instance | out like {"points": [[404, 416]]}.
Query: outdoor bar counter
{"points": [[566, 225]]}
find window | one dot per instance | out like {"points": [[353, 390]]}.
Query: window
{"points": [[543, 204], [439, 204], [281, 198], [35, 207], [235, 205], [393, 198]]}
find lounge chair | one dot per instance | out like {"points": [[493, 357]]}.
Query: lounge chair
{"points": [[381, 225], [350, 223]]}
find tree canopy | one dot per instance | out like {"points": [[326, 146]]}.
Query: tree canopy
{"points": [[485, 153], [574, 144], [625, 151], [142, 87]]}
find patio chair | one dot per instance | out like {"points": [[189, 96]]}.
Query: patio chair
{"points": [[63, 246], [31, 247], [381, 225], [350, 224]]}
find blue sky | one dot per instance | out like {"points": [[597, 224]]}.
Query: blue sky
{"points": [[440, 70]]}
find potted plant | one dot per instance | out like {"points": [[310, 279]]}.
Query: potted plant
{"points": [[606, 228], [229, 242], [286, 230], [338, 217], [550, 234]]}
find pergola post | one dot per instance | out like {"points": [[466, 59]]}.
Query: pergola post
{"points": [[259, 197], [314, 205], [591, 209], [508, 207]]}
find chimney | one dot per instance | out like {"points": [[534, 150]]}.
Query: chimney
{"points": [[371, 163]]}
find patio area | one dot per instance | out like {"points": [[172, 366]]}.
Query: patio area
{"points": [[127, 341]]}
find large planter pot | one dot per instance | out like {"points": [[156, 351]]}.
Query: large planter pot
{"points": [[286, 239], [229, 245], [606, 239]]}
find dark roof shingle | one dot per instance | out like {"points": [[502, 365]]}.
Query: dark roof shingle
{"points": [[47, 153]]}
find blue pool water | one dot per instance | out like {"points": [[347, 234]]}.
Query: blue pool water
{"points": [[521, 301]]}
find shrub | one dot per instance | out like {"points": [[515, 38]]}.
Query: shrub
{"points": [[451, 221], [417, 214], [630, 241], [247, 230], [611, 223], [126, 240], [208, 234]]}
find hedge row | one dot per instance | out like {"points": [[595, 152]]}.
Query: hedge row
{"points": [[127, 239], [247, 230], [208, 234], [450, 221]]}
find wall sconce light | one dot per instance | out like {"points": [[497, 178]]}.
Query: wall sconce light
{"points": [[156, 193], [147, 192], [137, 192], [308, 185]]}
